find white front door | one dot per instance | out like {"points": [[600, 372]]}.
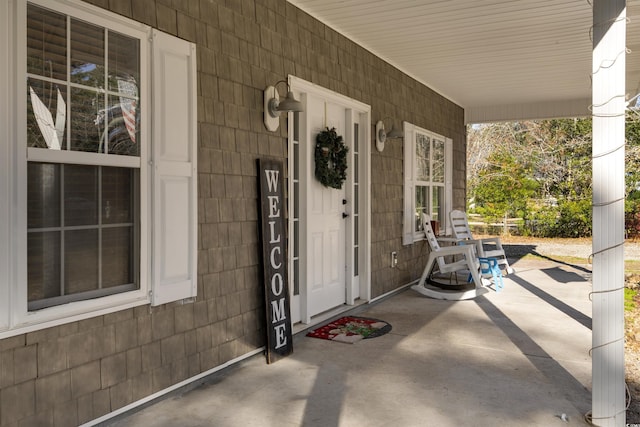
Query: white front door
{"points": [[326, 225], [329, 229]]}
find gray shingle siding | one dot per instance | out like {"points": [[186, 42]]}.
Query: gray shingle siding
{"points": [[76, 372]]}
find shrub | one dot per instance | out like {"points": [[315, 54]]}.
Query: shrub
{"points": [[568, 219]]}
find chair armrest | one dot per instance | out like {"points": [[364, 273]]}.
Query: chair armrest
{"points": [[492, 240], [495, 240], [449, 240], [456, 250], [471, 241]]}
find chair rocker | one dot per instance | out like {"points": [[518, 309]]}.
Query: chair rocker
{"points": [[464, 260], [489, 247]]}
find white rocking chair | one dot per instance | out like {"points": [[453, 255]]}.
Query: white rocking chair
{"points": [[489, 247], [466, 261]]}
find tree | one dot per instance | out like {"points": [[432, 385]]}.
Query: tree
{"points": [[504, 159], [504, 186], [537, 170]]}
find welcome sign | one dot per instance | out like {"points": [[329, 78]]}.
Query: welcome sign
{"points": [[274, 259]]}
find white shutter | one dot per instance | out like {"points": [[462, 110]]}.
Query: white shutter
{"points": [[174, 150], [409, 189]]}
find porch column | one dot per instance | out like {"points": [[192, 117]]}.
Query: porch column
{"points": [[608, 394]]}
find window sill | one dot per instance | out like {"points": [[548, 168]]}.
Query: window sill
{"points": [[73, 312]]}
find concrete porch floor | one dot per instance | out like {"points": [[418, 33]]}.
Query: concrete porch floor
{"points": [[519, 357]]}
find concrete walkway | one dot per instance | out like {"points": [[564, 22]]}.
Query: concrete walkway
{"points": [[519, 357]]}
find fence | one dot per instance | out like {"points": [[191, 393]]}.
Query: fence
{"points": [[506, 227]]}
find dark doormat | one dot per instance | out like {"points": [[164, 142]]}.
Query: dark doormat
{"points": [[351, 329]]}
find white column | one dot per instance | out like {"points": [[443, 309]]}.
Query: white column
{"points": [[608, 394]]}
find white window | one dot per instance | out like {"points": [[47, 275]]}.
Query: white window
{"points": [[84, 132], [427, 183], [83, 159]]}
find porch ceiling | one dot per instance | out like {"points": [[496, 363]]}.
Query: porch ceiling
{"points": [[498, 59]]}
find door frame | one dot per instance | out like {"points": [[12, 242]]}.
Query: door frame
{"points": [[357, 288]]}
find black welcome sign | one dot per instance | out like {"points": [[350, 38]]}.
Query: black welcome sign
{"points": [[274, 259]]}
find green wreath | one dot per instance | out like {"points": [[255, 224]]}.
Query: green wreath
{"points": [[331, 159]]}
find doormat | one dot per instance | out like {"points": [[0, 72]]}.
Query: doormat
{"points": [[351, 329]]}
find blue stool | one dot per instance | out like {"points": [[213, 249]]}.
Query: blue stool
{"points": [[490, 266]]}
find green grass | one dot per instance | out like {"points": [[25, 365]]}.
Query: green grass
{"points": [[629, 301], [561, 258]]}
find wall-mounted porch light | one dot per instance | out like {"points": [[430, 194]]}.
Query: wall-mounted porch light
{"points": [[273, 106], [382, 135]]}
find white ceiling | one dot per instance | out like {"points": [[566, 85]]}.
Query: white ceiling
{"points": [[498, 59]]}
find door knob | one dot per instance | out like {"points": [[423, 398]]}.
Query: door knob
{"points": [[345, 215]]}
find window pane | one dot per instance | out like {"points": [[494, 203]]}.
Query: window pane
{"points": [[95, 127], [117, 195], [122, 126], [80, 261], [296, 162], [356, 262], [296, 239], [86, 132], [46, 43], [422, 197], [43, 265], [296, 277], [422, 157], [356, 137], [123, 118], [356, 229], [438, 161], [46, 114], [296, 126], [95, 256], [296, 200], [87, 54], [124, 64], [117, 244], [43, 195], [356, 172], [356, 198], [437, 204], [80, 195]]}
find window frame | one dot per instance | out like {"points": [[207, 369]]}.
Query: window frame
{"points": [[169, 170], [20, 319], [66, 156], [7, 153], [411, 131]]}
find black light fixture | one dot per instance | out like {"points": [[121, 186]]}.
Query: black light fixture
{"points": [[273, 106], [382, 135]]}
